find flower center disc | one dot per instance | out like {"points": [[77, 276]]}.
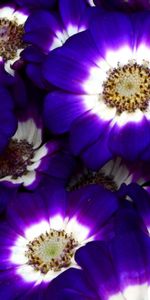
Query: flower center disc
{"points": [[89, 177], [51, 251], [16, 158], [128, 88], [10, 38]]}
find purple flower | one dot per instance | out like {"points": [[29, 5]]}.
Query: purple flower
{"points": [[46, 30], [44, 230], [23, 160], [72, 174], [111, 176], [103, 97]]}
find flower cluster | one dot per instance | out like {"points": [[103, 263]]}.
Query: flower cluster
{"points": [[75, 150]]}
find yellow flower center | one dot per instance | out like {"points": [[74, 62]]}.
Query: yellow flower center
{"points": [[10, 38], [128, 87], [16, 158], [51, 251], [88, 177]]}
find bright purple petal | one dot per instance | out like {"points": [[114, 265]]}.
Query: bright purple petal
{"points": [[131, 139], [61, 109], [86, 130]]}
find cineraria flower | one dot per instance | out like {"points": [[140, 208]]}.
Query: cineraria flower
{"points": [[43, 231], [22, 161], [73, 175], [119, 269], [58, 27], [103, 76], [111, 176], [11, 36], [46, 30]]}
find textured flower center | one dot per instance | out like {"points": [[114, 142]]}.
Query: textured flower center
{"points": [[128, 88], [16, 158], [10, 38], [51, 251], [89, 177]]}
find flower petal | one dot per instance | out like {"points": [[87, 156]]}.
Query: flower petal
{"points": [[131, 139]]}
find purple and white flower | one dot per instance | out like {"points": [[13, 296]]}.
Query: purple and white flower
{"points": [[111, 176], [103, 97], [43, 231], [21, 161], [46, 30]]}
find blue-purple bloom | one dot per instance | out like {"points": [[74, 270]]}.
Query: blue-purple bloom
{"points": [[111, 176], [75, 150], [46, 30], [43, 231], [103, 97], [23, 160]]}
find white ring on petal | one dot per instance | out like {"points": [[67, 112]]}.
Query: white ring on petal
{"points": [[29, 274], [118, 171], [71, 226], [80, 232], [72, 29], [147, 113], [33, 166], [57, 222], [18, 250], [29, 178], [20, 17], [55, 44], [39, 153], [117, 296], [93, 85], [121, 55], [91, 2], [136, 292], [10, 62], [35, 230], [126, 117], [142, 53], [7, 12]]}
